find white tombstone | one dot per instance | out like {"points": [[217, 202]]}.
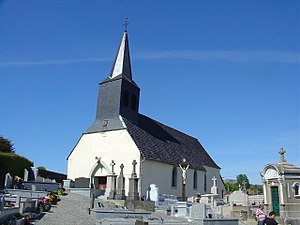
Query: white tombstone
{"points": [[214, 188], [153, 194], [35, 172], [239, 198], [181, 209], [8, 181], [25, 175], [198, 211], [68, 183]]}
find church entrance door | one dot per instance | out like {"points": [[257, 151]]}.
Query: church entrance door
{"points": [[101, 182], [275, 200]]}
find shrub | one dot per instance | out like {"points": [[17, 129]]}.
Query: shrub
{"points": [[13, 164]]}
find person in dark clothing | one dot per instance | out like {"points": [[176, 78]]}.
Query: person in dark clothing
{"points": [[271, 219]]}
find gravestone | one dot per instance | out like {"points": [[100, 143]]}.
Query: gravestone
{"points": [[198, 211], [181, 209], [133, 193], [82, 182], [35, 172], [111, 182], [214, 188], [8, 181], [2, 202], [120, 190], [68, 183], [26, 175], [239, 198], [153, 194]]}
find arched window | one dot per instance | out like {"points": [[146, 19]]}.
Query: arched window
{"points": [[205, 182], [195, 185], [125, 98], [133, 102], [296, 189], [174, 177]]}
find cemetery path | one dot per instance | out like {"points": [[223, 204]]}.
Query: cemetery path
{"points": [[72, 209]]}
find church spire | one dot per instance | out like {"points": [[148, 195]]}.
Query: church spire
{"points": [[118, 94], [122, 64]]}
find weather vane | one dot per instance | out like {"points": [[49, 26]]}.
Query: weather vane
{"points": [[126, 23]]}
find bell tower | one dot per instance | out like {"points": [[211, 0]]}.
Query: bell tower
{"points": [[118, 94]]}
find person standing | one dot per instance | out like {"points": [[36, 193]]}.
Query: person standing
{"points": [[271, 219], [260, 215]]}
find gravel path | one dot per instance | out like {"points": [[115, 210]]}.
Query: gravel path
{"points": [[72, 209]]}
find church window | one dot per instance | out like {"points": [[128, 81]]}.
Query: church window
{"points": [[133, 102], [125, 98], [195, 185], [296, 189], [174, 177]]}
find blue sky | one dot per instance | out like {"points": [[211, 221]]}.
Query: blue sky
{"points": [[225, 72]]}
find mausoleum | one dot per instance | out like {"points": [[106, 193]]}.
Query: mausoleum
{"points": [[281, 182]]}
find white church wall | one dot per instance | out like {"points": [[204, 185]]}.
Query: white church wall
{"points": [[154, 172], [190, 190], [159, 173], [111, 145]]}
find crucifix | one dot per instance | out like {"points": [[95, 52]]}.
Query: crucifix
{"points": [[126, 23], [184, 167]]}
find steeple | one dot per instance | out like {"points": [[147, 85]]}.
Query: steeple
{"points": [[122, 62], [118, 94]]}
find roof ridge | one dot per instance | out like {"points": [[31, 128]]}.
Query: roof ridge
{"points": [[169, 126]]}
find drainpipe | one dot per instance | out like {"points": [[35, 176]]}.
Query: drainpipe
{"points": [[142, 159]]}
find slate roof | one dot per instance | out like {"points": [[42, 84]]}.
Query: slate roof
{"points": [[159, 142]]}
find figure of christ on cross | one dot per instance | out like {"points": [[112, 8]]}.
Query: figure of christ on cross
{"points": [[184, 167]]}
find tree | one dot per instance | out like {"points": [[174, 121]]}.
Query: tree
{"points": [[258, 188], [243, 181], [230, 186], [13, 164], [41, 168], [6, 145]]}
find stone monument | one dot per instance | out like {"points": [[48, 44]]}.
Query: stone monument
{"points": [[26, 175], [153, 194], [120, 190], [111, 182], [133, 193], [8, 181]]}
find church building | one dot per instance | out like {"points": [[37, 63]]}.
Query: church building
{"points": [[120, 134]]}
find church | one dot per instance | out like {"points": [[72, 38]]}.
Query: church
{"points": [[120, 134]]}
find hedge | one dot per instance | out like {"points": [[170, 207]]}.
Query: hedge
{"points": [[13, 164]]}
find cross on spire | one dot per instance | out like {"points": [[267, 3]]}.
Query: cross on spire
{"points": [[126, 23]]}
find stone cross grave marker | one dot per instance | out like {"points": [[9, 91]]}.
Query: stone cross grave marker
{"points": [[112, 164]]}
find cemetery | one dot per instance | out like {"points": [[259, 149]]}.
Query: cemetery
{"points": [[129, 169], [25, 200]]}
